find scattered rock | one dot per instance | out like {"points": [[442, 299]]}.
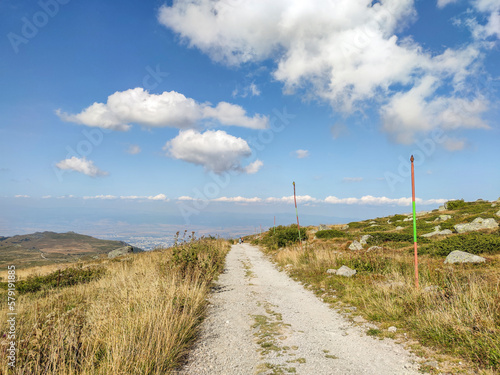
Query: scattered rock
{"points": [[323, 227], [399, 228], [478, 224], [374, 225], [364, 238], [331, 271], [422, 213], [409, 218], [463, 257], [345, 271], [480, 200], [438, 232], [498, 213], [356, 245], [120, 251], [443, 218], [374, 248], [389, 221], [494, 205], [442, 208], [392, 329], [372, 222], [344, 227]]}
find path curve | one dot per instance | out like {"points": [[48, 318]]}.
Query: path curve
{"points": [[262, 322]]}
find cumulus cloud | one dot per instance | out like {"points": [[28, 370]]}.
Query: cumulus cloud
{"points": [[21, 196], [107, 197], [301, 154], [289, 199], [237, 199], [371, 200], [133, 150], [338, 51], [352, 179], [81, 165], [158, 197], [168, 109], [217, 151]]}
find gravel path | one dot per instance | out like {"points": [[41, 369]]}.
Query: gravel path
{"points": [[262, 322]]}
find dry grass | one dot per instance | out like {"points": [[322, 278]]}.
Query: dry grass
{"points": [[456, 311], [140, 318]]}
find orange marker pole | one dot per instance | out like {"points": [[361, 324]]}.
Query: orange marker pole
{"points": [[297, 214], [414, 219]]}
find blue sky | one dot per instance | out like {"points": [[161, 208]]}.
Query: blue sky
{"points": [[202, 113]]}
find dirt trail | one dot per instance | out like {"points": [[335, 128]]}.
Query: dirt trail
{"points": [[262, 322]]}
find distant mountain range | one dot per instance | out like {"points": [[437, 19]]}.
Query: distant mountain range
{"points": [[42, 248]]}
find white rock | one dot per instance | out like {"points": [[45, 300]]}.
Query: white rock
{"points": [[392, 329], [443, 218], [399, 228], [346, 271], [331, 271], [364, 238], [478, 224], [463, 257], [355, 245], [373, 248]]}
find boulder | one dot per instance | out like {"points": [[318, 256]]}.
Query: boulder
{"points": [[323, 227], [121, 251], [373, 248], [478, 224], [364, 238], [345, 227], [441, 208], [356, 245], [345, 271], [443, 218], [399, 228], [331, 271], [392, 329], [498, 213], [494, 205], [409, 218], [437, 232], [463, 257]]}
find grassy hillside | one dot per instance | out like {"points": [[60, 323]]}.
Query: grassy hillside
{"points": [[44, 248], [456, 310], [136, 314]]}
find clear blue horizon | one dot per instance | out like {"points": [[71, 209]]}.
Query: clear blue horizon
{"points": [[201, 114]]}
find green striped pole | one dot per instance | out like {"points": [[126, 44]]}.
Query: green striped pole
{"points": [[414, 219], [297, 214]]}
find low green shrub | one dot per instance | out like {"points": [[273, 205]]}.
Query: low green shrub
{"points": [[330, 233], [63, 278], [380, 237], [283, 236], [474, 243], [453, 205]]}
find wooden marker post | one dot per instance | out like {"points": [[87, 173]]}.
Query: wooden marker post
{"points": [[297, 214], [414, 219]]}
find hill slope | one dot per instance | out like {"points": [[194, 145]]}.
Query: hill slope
{"points": [[42, 248]]}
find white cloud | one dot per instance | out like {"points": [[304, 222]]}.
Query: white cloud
{"points": [[21, 196], [301, 154], [186, 198], [253, 167], [217, 151], [106, 197], [237, 199], [352, 179], [158, 197], [289, 199], [168, 109], [338, 51], [81, 165], [47, 197], [370, 200], [443, 3], [133, 150]]}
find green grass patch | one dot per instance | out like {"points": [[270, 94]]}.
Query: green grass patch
{"points": [[330, 233], [474, 243]]}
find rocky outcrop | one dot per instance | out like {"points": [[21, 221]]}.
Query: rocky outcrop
{"points": [[438, 232], [356, 245], [463, 257], [121, 251], [323, 227], [478, 224], [364, 238]]}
